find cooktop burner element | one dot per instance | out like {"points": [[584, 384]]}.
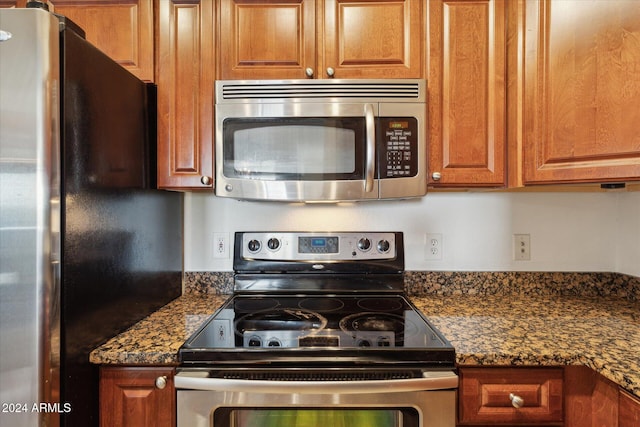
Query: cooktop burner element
{"points": [[342, 306]]}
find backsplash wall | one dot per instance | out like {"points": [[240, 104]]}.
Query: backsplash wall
{"points": [[569, 231]]}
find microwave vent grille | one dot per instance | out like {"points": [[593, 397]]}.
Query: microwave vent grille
{"points": [[408, 90]]}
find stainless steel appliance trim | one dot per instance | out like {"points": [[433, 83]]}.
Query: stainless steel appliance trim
{"points": [[261, 91], [347, 248], [370, 165], [431, 380], [30, 214]]}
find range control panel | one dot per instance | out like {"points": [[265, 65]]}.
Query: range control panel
{"points": [[323, 246], [398, 147]]}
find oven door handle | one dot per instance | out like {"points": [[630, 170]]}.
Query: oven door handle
{"points": [[430, 381], [370, 165]]}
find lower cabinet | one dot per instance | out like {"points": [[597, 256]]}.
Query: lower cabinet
{"points": [[510, 396], [137, 396], [629, 410], [569, 396]]}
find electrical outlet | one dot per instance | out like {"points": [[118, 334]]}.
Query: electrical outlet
{"points": [[221, 245], [433, 247], [522, 247]]}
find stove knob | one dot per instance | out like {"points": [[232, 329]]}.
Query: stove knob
{"points": [[364, 343], [364, 244], [274, 343], [273, 243], [383, 342], [254, 245], [383, 246], [255, 342]]}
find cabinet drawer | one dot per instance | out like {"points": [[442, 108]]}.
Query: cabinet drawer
{"points": [[484, 396]]}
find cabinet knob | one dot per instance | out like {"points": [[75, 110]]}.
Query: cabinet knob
{"points": [[161, 382], [309, 72], [516, 400], [330, 72], [205, 180], [436, 176]]}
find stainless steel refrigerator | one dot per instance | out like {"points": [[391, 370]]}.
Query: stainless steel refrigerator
{"points": [[87, 246]]}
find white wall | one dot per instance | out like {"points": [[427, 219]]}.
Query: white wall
{"points": [[569, 231], [628, 235]]}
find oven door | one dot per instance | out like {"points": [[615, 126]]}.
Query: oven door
{"points": [[292, 151], [419, 402]]}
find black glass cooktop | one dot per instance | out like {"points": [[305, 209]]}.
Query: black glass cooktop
{"points": [[317, 329]]}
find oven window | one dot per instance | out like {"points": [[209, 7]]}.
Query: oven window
{"points": [[317, 148], [318, 417]]}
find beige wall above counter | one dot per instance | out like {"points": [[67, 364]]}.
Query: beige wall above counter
{"points": [[569, 231]]}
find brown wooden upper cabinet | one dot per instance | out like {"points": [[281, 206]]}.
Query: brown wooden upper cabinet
{"points": [[186, 64], [581, 94], [466, 78], [123, 29], [295, 39]]}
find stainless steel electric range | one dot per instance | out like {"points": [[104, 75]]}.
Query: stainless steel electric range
{"points": [[318, 332]]}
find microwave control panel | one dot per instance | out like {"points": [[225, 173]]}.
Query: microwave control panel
{"points": [[398, 147]]}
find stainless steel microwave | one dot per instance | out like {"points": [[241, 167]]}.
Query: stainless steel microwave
{"points": [[321, 140]]}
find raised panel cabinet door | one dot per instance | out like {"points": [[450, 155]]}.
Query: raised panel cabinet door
{"points": [[186, 67], [372, 39], [137, 396], [590, 398], [267, 39], [582, 91], [486, 396], [467, 72], [123, 29], [629, 410]]}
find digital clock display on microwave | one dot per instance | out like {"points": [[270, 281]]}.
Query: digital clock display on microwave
{"points": [[398, 125]]}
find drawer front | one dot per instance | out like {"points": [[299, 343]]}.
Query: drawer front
{"points": [[485, 396]]}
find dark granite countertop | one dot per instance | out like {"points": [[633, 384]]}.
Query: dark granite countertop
{"points": [[601, 332]]}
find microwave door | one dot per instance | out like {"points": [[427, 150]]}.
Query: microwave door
{"points": [[296, 151]]}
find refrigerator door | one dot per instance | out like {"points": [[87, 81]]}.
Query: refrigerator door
{"points": [[29, 218], [122, 241]]}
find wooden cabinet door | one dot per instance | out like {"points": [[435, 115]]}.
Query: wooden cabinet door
{"points": [[467, 71], [131, 396], [582, 91], [590, 398], [12, 3], [372, 39], [266, 39], [484, 396], [123, 29], [185, 94], [629, 410]]}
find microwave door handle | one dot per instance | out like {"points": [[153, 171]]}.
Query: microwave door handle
{"points": [[371, 147]]}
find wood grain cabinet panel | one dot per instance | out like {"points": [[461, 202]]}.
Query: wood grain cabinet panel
{"points": [[297, 39], [581, 91], [123, 29], [629, 410], [266, 40], [185, 94], [484, 396], [12, 3], [130, 396], [467, 71], [372, 39]]}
